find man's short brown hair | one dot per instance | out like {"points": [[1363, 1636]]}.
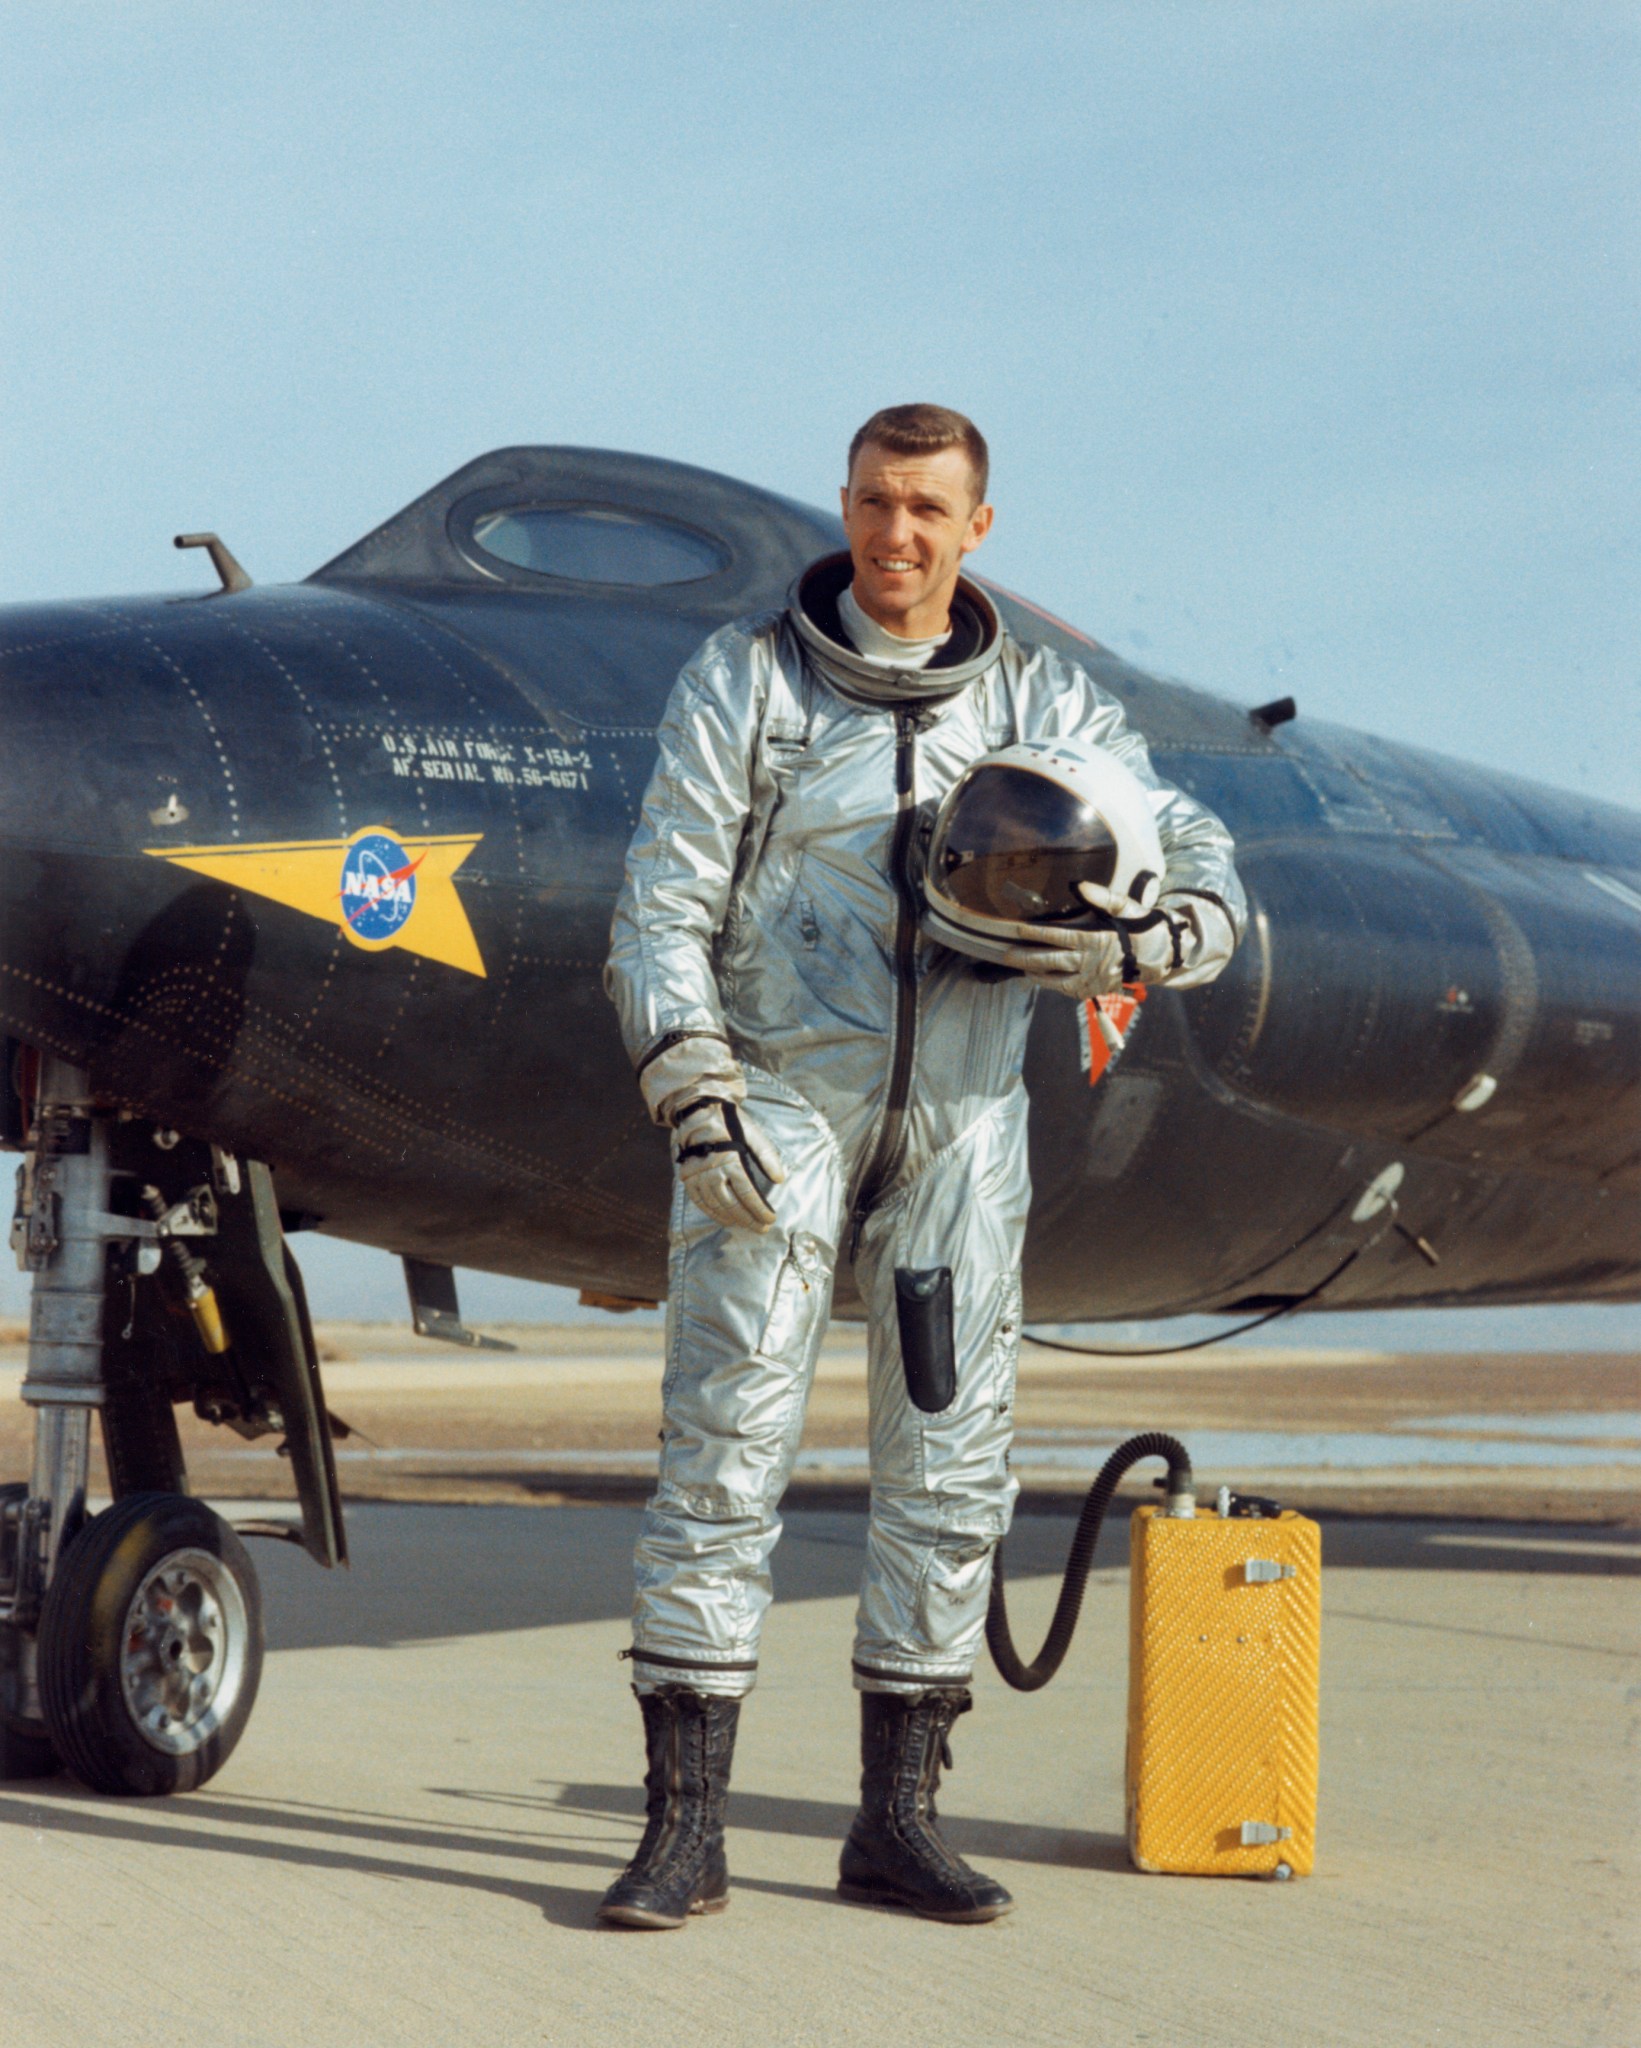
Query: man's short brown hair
{"points": [[925, 430]]}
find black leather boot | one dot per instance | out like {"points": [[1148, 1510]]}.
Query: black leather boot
{"points": [[894, 1855], [680, 1867]]}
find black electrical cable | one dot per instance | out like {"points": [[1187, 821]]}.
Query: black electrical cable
{"points": [[1285, 1308], [1028, 1677], [1161, 1350]]}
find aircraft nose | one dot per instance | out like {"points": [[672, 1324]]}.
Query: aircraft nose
{"points": [[106, 755], [95, 746]]}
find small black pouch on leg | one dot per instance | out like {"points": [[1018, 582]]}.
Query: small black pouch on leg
{"points": [[923, 1304]]}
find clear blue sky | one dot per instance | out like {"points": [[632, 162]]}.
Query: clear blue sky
{"points": [[1305, 335]]}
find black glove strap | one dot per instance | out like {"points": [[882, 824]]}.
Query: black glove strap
{"points": [[754, 1172], [735, 1142], [1151, 919], [700, 1102], [701, 1150]]}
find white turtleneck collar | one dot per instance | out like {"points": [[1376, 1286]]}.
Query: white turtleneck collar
{"points": [[877, 644]]}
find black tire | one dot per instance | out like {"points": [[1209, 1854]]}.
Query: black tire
{"points": [[150, 1646]]}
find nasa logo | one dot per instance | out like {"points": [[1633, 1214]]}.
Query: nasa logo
{"points": [[378, 887], [394, 891]]}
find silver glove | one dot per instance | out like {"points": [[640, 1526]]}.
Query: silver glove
{"points": [[1078, 964], [1158, 946], [1209, 942], [727, 1165], [1184, 939]]}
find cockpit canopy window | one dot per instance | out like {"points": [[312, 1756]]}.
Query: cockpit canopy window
{"points": [[588, 546]]}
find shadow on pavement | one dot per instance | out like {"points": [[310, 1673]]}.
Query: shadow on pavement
{"points": [[422, 1573], [824, 1819], [386, 1846], [62, 1808]]}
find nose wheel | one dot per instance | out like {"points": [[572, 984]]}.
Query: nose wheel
{"points": [[150, 1646]]}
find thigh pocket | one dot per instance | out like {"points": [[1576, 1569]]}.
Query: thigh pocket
{"points": [[801, 1291], [928, 1350], [1005, 1345]]}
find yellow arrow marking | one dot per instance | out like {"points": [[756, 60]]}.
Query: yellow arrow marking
{"points": [[307, 875]]}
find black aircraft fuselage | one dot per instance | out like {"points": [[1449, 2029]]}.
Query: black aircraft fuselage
{"points": [[322, 874]]}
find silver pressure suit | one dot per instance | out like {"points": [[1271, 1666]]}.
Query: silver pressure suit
{"points": [[771, 904]]}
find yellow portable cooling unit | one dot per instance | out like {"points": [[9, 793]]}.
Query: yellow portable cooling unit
{"points": [[1225, 1627]]}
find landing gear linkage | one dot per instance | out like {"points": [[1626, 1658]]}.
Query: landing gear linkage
{"points": [[131, 1643]]}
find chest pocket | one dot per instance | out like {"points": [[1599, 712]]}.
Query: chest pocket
{"points": [[785, 751], [826, 788], [779, 745]]}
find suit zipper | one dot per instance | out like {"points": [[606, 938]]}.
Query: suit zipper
{"points": [[891, 1132]]}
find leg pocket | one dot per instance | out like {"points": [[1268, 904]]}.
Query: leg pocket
{"points": [[1005, 1348], [801, 1291], [928, 1352]]}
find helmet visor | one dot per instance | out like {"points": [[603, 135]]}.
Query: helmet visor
{"points": [[1015, 845]]}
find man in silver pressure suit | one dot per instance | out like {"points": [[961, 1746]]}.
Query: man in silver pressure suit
{"points": [[837, 1085]]}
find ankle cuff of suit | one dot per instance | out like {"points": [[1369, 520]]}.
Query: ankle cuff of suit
{"points": [[876, 1677], [724, 1678]]}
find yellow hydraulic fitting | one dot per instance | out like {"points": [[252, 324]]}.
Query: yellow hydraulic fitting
{"points": [[208, 1320]]}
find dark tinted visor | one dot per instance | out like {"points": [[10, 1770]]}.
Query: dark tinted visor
{"points": [[1015, 845]]}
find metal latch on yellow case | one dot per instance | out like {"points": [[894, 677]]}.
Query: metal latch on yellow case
{"points": [[1256, 1833], [1260, 1571]]}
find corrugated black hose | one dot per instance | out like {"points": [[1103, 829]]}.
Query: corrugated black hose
{"points": [[1028, 1677]]}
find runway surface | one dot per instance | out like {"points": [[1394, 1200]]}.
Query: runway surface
{"points": [[442, 1771], [441, 1776]]}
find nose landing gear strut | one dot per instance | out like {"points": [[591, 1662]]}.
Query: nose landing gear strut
{"points": [[130, 1642]]}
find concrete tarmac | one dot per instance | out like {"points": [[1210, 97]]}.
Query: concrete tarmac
{"points": [[441, 1776]]}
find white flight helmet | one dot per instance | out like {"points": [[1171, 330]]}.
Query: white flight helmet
{"points": [[1020, 828]]}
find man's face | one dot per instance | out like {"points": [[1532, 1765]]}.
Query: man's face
{"points": [[910, 520]]}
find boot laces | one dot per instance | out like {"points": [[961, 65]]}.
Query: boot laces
{"points": [[681, 1820], [926, 1748]]}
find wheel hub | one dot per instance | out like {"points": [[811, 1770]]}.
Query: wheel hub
{"points": [[182, 1655]]}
